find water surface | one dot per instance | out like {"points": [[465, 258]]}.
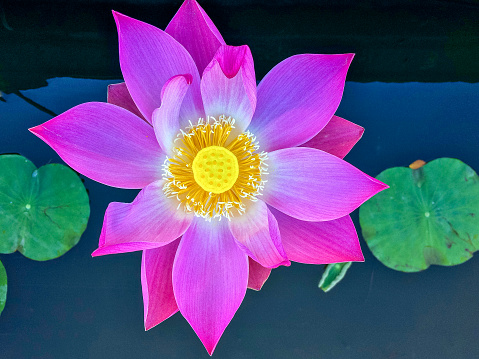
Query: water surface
{"points": [[82, 307]]}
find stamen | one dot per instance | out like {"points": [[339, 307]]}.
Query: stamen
{"points": [[210, 178]]}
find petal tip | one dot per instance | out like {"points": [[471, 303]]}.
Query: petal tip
{"points": [[209, 344], [36, 130], [149, 325], [188, 78], [210, 349], [285, 263], [190, 3], [380, 186], [358, 255], [117, 14], [383, 185], [96, 252], [101, 251], [350, 57], [230, 70]]}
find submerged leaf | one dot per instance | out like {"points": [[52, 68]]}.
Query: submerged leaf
{"points": [[332, 275], [429, 215], [3, 287], [43, 212]]}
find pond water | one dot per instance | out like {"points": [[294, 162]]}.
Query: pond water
{"points": [[77, 306]]}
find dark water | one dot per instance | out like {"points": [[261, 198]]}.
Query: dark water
{"points": [[82, 307]]}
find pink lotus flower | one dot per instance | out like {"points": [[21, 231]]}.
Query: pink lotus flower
{"points": [[236, 179]]}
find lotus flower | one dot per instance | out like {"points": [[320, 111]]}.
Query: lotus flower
{"points": [[236, 178]]}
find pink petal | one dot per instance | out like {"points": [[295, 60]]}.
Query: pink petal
{"points": [[148, 58], [106, 143], [228, 85], [193, 28], [166, 118], [337, 138], [156, 282], [257, 275], [319, 242], [297, 98], [313, 185], [150, 221], [257, 233], [210, 275], [118, 95]]}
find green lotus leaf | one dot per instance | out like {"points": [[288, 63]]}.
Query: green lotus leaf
{"points": [[429, 215], [3, 287], [332, 275], [43, 212]]}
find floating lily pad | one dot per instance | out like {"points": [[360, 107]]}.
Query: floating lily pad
{"points": [[3, 287], [333, 274], [43, 212], [429, 215]]}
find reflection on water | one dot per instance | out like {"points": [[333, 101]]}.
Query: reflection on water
{"points": [[92, 307]]}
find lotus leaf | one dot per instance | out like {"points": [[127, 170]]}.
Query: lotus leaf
{"points": [[429, 215], [43, 212]]}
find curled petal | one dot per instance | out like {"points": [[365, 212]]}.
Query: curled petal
{"points": [[150, 221], [257, 275], [297, 98], [257, 233], [166, 118], [156, 283], [313, 185], [337, 138], [319, 242], [106, 143], [228, 85], [118, 95], [149, 57], [193, 28], [210, 275]]}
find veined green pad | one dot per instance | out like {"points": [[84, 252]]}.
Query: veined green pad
{"points": [[429, 215], [332, 275], [3, 287], [43, 212]]}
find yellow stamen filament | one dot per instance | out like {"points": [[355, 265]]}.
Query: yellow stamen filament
{"points": [[212, 176]]}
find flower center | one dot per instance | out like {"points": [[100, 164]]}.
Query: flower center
{"points": [[211, 174], [215, 169]]}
